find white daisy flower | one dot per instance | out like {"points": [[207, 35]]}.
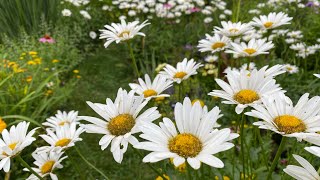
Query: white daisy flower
{"points": [[152, 89], [271, 21], [121, 31], [85, 14], [281, 116], [121, 121], [291, 69], [62, 119], [93, 35], [251, 67], [275, 70], [211, 58], [214, 43], [193, 138], [66, 12], [246, 90], [183, 71], [64, 137], [231, 29], [13, 142], [317, 75], [306, 172], [253, 48], [46, 162]]}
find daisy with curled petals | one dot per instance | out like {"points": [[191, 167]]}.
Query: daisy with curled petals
{"points": [[46, 162], [13, 142], [62, 119], [214, 43], [183, 71], [63, 137], [246, 89], [121, 31], [306, 172], [231, 29], [121, 121], [152, 89], [280, 115], [271, 21], [194, 139], [253, 48]]}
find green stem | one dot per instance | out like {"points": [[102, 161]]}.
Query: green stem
{"points": [[242, 145], [262, 148], [26, 165], [180, 92], [91, 165], [276, 158], [238, 10], [75, 164], [133, 59]]}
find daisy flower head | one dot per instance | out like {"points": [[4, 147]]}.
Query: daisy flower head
{"points": [[214, 43], [183, 71], [271, 21], [211, 58], [62, 118], [253, 48], [245, 89], [63, 137], [305, 172], [291, 69], [192, 139], [280, 115], [152, 89], [13, 142], [231, 29], [275, 70], [123, 31], [46, 162], [122, 119]]}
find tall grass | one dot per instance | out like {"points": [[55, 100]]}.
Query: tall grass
{"points": [[26, 15]]}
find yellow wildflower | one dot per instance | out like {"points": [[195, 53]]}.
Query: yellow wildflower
{"points": [[196, 100], [76, 71], [21, 58], [3, 125], [55, 61], [78, 76], [46, 69], [160, 178], [29, 79], [33, 53], [31, 63], [38, 60], [223, 177], [23, 54], [48, 92]]}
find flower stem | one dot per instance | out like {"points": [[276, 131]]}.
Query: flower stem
{"points": [[26, 165], [238, 11], [262, 148], [133, 59], [276, 158], [91, 165], [242, 146]]}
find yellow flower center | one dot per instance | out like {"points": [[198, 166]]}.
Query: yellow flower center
{"points": [[47, 167], [62, 123], [233, 30], [198, 100], [289, 68], [164, 175], [180, 75], [268, 24], [289, 124], [149, 92], [185, 145], [63, 142], [250, 51], [3, 125], [123, 33], [246, 96], [12, 145], [121, 124], [218, 45], [158, 99]]}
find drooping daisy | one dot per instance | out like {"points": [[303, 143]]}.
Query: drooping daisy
{"points": [[193, 138], [271, 21], [64, 137], [152, 89], [183, 71], [253, 48], [231, 29], [306, 172], [245, 90], [122, 119], [291, 69], [280, 115], [62, 119], [121, 31], [13, 142], [214, 43], [46, 162]]}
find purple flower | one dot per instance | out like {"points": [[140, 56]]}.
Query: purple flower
{"points": [[46, 39], [168, 6], [194, 9]]}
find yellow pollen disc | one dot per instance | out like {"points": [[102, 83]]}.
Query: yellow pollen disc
{"points": [[250, 51], [3, 125], [268, 24], [185, 145], [246, 96], [63, 142], [47, 167], [233, 30], [289, 124], [121, 124], [149, 92], [123, 33], [289, 68], [200, 101], [62, 123], [180, 75], [12, 145], [218, 45]]}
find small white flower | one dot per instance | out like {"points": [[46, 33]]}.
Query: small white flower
{"points": [[62, 119], [93, 35], [291, 69], [207, 20], [271, 21], [306, 172], [66, 12], [230, 29], [253, 48], [317, 75], [85, 14], [214, 43], [211, 58]]}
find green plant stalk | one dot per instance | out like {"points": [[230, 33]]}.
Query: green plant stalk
{"points": [[91, 165], [276, 158], [242, 146], [238, 11], [26, 165], [133, 59], [262, 148]]}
